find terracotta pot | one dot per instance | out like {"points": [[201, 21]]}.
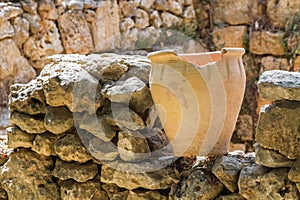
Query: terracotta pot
{"points": [[198, 98]]}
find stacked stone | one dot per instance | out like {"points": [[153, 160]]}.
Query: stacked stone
{"points": [[81, 130], [278, 129]]}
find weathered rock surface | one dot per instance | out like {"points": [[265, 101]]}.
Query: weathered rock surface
{"points": [[47, 9], [227, 169], [277, 85], [244, 128], [114, 192], [222, 37], [147, 38], [254, 183], [141, 18], [126, 24], [69, 148], [34, 22], [27, 98], [47, 43], [149, 195], [237, 12], [157, 179], [72, 190], [26, 167], [128, 8], [139, 69], [21, 31], [97, 126], [267, 43], [271, 158], [277, 131], [169, 20], [67, 84], [106, 36], [294, 173], [9, 11], [58, 119], [44, 144], [18, 67], [75, 32], [6, 30], [272, 63], [133, 146], [280, 12], [103, 151], [132, 92], [28, 123], [233, 196], [18, 138], [200, 184], [3, 194], [29, 6], [71, 170]]}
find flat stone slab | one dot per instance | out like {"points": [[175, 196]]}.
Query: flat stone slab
{"points": [[276, 85]]}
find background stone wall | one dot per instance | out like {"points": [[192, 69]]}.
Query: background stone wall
{"points": [[269, 30]]}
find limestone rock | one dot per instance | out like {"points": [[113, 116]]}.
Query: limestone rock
{"points": [[96, 126], [254, 183], [103, 151], [69, 148], [176, 6], [28, 123], [3, 194], [89, 15], [277, 131], [227, 169], [235, 13], [200, 184], [18, 138], [294, 173], [114, 192], [34, 22], [147, 4], [156, 138], [58, 119], [6, 30], [297, 64], [27, 98], [128, 8], [44, 44], [105, 28], [29, 6], [133, 146], [67, 84], [271, 158], [277, 85], [134, 92], [75, 32], [244, 128], [126, 24], [106, 66], [9, 11], [139, 69], [272, 63], [72, 190], [169, 20], [267, 43], [189, 14], [26, 167], [161, 5], [73, 5], [21, 31], [44, 144], [129, 39], [125, 118], [78, 172], [141, 19], [147, 38], [18, 67], [148, 195], [47, 9], [280, 12], [233, 196], [125, 177], [222, 37], [155, 19]]}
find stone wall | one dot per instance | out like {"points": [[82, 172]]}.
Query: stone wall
{"points": [[85, 128], [31, 30]]}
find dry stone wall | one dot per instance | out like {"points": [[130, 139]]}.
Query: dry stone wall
{"points": [[85, 128]]}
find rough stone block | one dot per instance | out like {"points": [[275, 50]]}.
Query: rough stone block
{"points": [[237, 12], [222, 37], [18, 138], [28, 123], [44, 144], [267, 43], [278, 85], [272, 63], [278, 128]]}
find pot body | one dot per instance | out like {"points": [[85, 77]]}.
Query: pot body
{"points": [[198, 98]]}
